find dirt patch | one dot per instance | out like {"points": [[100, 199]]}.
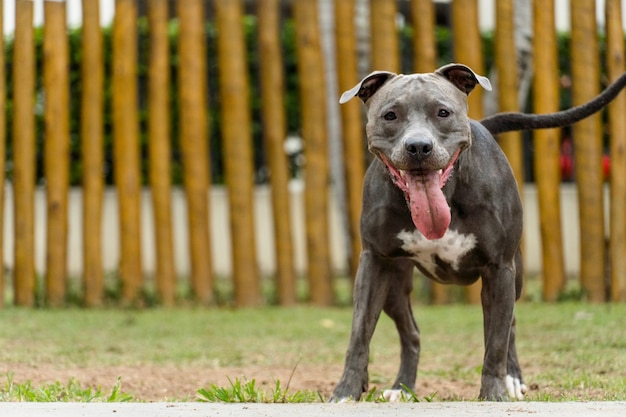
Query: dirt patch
{"points": [[161, 383]]}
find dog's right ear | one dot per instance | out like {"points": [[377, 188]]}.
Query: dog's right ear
{"points": [[367, 87]]}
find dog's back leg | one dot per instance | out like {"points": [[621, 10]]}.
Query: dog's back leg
{"points": [[398, 307]]}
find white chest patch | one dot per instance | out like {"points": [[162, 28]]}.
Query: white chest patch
{"points": [[450, 248]]}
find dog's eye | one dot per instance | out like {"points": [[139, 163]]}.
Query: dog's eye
{"points": [[389, 116], [443, 113]]}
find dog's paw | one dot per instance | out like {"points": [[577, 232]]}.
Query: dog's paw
{"points": [[341, 400], [515, 387], [393, 395]]}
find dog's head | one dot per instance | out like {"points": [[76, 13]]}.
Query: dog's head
{"points": [[418, 125]]}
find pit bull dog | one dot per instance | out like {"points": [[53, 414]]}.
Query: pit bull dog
{"points": [[440, 196]]}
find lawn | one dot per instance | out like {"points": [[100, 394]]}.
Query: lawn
{"points": [[568, 351]]}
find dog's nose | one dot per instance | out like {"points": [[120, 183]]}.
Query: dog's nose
{"points": [[418, 147]]}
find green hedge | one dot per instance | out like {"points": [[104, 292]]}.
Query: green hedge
{"points": [[444, 45]]}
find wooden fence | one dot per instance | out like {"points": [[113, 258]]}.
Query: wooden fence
{"points": [[236, 139]]}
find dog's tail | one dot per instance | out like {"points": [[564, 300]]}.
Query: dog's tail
{"points": [[506, 122]]}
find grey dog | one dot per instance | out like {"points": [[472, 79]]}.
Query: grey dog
{"points": [[440, 196]]}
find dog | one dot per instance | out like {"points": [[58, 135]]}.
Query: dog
{"points": [[440, 196]]}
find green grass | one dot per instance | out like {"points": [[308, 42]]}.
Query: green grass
{"points": [[568, 351], [249, 392], [57, 392], [197, 337]]}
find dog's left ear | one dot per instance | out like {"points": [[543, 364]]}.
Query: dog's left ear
{"points": [[367, 87], [463, 77]]}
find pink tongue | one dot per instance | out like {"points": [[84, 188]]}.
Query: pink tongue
{"points": [[429, 208]]}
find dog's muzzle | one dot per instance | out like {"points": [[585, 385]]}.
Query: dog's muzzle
{"points": [[422, 189]]}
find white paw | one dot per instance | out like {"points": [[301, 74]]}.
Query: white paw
{"points": [[393, 395], [515, 388]]}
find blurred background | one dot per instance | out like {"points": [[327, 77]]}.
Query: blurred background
{"points": [[161, 151]]}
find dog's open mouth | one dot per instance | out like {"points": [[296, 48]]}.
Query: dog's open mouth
{"points": [[423, 191]]}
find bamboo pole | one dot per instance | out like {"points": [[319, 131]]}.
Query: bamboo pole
{"points": [[508, 87], [237, 142], [508, 100], [385, 49], [425, 60], [424, 42], [351, 123], [24, 153], [193, 142], [617, 135], [313, 113], [126, 146], [547, 149], [274, 133], [468, 48], [160, 149], [3, 95], [588, 148], [91, 132], [56, 85], [468, 51]]}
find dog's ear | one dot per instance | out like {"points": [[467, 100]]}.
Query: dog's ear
{"points": [[463, 77], [367, 87]]}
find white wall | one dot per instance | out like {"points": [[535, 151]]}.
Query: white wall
{"points": [[220, 235]]}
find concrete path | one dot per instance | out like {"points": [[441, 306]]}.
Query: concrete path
{"points": [[438, 409]]}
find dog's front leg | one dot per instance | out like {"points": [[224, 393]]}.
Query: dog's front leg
{"points": [[498, 300], [370, 292], [398, 307]]}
